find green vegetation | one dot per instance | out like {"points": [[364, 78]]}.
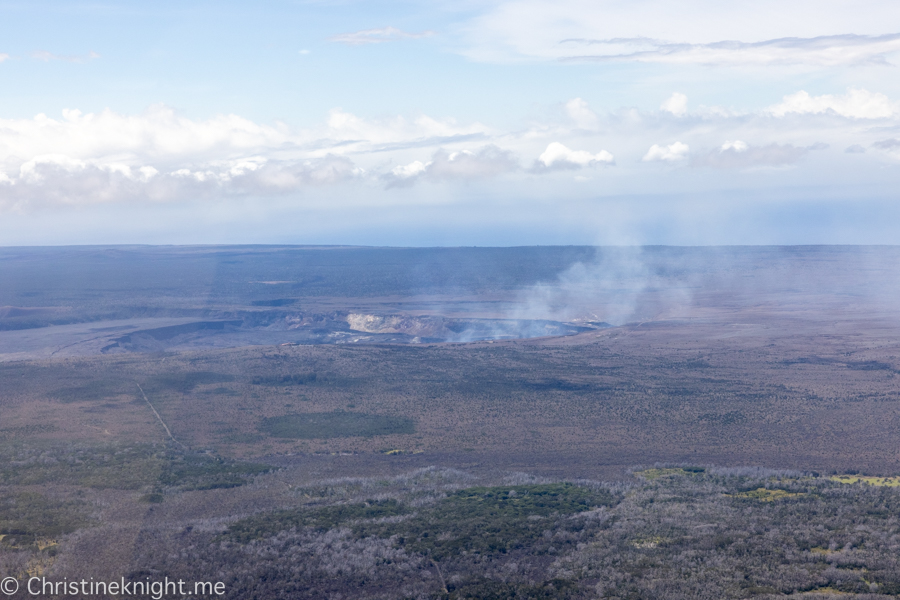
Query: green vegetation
{"points": [[490, 520], [696, 533], [101, 388], [283, 380], [764, 495], [222, 391], [868, 480], [186, 382], [111, 466], [122, 467], [189, 471], [95, 389], [489, 589], [242, 438], [27, 516], [334, 425], [480, 520], [657, 472], [268, 524]]}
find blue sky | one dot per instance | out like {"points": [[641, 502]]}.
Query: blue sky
{"points": [[450, 123]]}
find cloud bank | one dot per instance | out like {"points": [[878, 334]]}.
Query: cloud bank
{"points": [[672, 153], [558, 156], [675, 104], [583, 117], [855, 104], [58, 180], [489, 161], [161, 156]]}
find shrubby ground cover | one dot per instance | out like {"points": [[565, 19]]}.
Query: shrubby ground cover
{"points": [[695, 533]]}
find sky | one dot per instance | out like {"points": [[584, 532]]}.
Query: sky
{"points": [[488, 123]]}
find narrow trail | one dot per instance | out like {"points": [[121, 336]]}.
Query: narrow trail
{"points": [[159, 418]]}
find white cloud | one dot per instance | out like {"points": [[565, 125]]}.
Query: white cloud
{"points": [[489, 161], [414, 168], [675, 104], [856, 103], [55, 179], [671, 153], [157, 155], [736, 146], [377, 36], [578, 111], [160, 155], [558, 156], [4, 57], [158, 134]]}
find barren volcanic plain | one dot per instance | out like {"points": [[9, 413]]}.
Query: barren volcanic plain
{"points": [[321, 422]]}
